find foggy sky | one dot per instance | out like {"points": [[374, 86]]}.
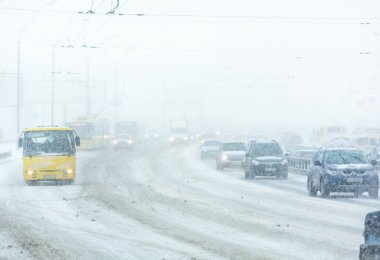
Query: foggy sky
{"points": [[217, 63]]}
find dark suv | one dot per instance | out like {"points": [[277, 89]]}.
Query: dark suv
{"points": [[265, 159], [342, 170]]}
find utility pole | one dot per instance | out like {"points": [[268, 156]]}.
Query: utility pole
{"points": [[88, 98], [65, 113], [164, 100], [19, 92], [116, 97], [52, 85], [18, 101], [104, 92]]}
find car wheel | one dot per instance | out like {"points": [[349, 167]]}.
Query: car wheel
{"points": [[325, 192], [221, 167], [361, 254], [285, 176], [357, 194], [310, 189], [252, 175], [31, 183], [374, 192], [246, 174]]}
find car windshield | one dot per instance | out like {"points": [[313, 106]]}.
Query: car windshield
{"points": [[233, 147], [211, 143], [345, 157], [267, 149], [48, 143]]}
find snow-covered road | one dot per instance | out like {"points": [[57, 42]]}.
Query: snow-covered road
{"points": [[166, 203]]}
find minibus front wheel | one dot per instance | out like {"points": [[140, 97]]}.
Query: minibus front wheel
{"points": [[31, 183]]}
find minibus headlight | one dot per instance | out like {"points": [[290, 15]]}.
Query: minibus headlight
{"points": [[68, 171], [31, 172]]}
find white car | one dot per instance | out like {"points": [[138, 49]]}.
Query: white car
{"points": [[231, 155], [210, 148]]}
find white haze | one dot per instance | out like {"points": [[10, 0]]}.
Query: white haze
{"points": [[244, 64]]}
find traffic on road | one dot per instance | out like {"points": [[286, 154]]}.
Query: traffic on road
{"points": [[189, 130]]}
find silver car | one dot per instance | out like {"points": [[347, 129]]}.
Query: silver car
{"points": [[231, 155]]}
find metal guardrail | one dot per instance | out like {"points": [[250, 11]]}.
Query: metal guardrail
{"points": [[5, 155], [300, 165]]}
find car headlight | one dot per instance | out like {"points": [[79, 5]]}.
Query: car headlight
{"points": [[130, 142], [255, 162], [371, 172], [115, 142], [171, 139], [185, 138], [224, 157], [332, 172], [284, 162]]}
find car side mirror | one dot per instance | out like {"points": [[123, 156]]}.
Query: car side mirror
{"points": [[373, 162], [317, 163], [286, 154], [20, 142], [77, 141]]}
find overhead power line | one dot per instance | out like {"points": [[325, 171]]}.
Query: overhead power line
{"points": [[197, 15], [112, 12]]}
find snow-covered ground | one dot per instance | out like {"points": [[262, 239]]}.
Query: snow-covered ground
{"points": [[166, 203]]}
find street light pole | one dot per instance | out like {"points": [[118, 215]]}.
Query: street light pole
{"points": [[18, 101], [88, 98], [52, 85], [116, 98]]}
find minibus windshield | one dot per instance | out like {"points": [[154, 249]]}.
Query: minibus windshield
{"points": [[37, 143]]}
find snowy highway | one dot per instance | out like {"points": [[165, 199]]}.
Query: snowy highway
{"points": [[168, 204]]}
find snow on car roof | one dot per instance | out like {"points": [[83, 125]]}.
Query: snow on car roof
{"points": [[341, 148]]}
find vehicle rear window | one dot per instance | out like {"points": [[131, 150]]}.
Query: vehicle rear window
{"points": [[211, 143], [233, 147], [267, 149]]}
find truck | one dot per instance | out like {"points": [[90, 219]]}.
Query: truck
{"points": [[178, 132]]}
